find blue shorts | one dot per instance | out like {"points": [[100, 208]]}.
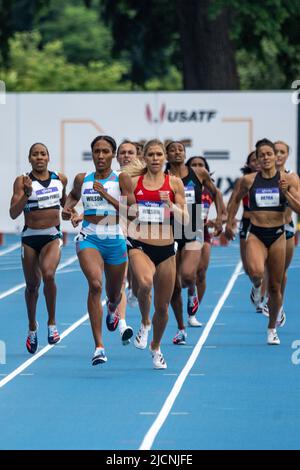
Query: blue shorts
{"points": [[289, 230], [111, 246]]}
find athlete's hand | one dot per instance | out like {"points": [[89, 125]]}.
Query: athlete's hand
{"points": [[229, 232], [283, 185], [210, 224], [27, 184], [76, 219], [165, 197], [66, 213], [99, 188], [218, 227]]}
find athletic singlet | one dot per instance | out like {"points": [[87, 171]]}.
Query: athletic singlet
{"points": [[151, 208], [246, 203], [207, 201], [265, 195], [193, 194], [46, 194], [93, 202]]}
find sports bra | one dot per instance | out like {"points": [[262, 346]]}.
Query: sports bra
{"points": [[265, 195], [151, 209], [46, 194], [93, 202]]}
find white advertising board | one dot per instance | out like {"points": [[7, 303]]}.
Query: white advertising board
{"points": [[222, 126]]}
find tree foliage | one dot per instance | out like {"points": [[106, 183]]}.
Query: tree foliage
{"points": [[45, 69], [147, 45]]}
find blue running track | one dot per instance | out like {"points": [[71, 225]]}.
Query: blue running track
{"points": [[234, 393]]}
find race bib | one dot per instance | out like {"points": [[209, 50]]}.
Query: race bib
{"points": [[92, 200], [151, 212], [204, 210], [190, 194], [267, 197], [48, 197]]}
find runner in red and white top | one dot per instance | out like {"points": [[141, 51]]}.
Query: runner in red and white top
{"points": [[150, 238]]}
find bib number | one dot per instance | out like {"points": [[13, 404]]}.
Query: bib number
{"points": [[189, 195], [267, 197], [151, 212], [48, 197]]}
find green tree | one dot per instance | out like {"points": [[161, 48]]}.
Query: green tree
{"points": [[81, 31], [46, 69], [145, 36], [267, 38], [17, 15], [209, 41]]}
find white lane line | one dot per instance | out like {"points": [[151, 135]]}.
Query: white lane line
{"points": [[210, 347], [179, 413], [167, 406], [73, 270], [20, 286], [10, 249], [148, 413], [13, 268], [41, 353], [197, 375]]}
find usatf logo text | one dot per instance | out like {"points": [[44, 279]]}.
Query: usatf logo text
{"points": [[181, 115]]}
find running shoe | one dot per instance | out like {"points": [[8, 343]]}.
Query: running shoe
{"points": [[53, 335], [126, 333], [32, 341], [265, 311], [99, 357], [131, 299], [192, 321], [112, 318], [141, 339], [260, 306], [255, 295], [192, 303], [180, 337], [158, 359], [273, 339], [282, 318]]}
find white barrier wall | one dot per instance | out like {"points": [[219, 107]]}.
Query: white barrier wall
{"points": [[222, 126]]}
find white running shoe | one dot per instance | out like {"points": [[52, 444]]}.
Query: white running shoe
{"points": [[141, 339], [99, 357], [273, 339], [265, 311], [260, 306], [255, 295], [158, 359], [131, 299], [126, 332], [281, 319], [192, 321]]}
